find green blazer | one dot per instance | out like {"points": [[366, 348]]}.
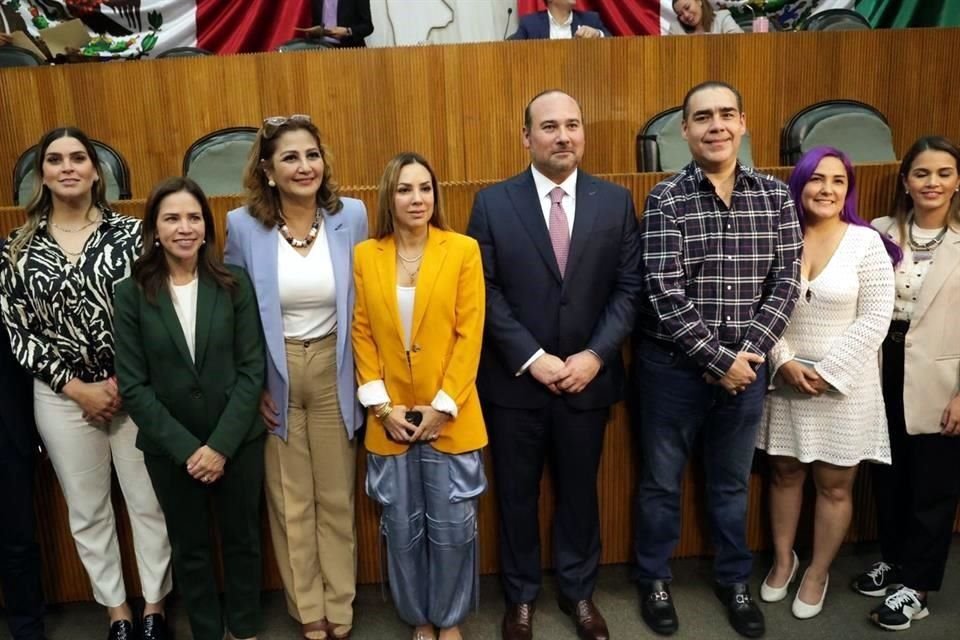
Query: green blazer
{"points": [[180, 405]]}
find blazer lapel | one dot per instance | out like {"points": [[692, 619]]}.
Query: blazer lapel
{"points": [[583, 220], [168, 316], [523, 195], [946, 259], [338, 243], [264, 270], [387, 275], [434, 255], [207, 292]]}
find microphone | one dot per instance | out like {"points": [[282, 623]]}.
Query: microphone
{"points": [[506, 27]]}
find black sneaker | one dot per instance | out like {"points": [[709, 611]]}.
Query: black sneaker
{"points": [[877, 580], [745, 616], [656, 607], [899, 609]]}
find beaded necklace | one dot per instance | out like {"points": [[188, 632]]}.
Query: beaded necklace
{"points": [[297, 243]]}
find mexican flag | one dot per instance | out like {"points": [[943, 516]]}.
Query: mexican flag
{"points": [[131, 28]]}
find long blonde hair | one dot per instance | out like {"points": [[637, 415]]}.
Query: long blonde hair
{"points": [[41, 202]]}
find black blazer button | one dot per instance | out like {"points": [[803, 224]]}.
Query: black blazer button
{"points": [[195, 394]]}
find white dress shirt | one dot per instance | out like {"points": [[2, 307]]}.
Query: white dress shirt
{"points": [[562, 30]]}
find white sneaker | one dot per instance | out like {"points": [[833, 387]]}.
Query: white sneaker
{"points": [[776, 594], [899, 609], [801, 609]]}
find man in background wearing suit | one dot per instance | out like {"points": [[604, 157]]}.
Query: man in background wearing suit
{"points": [[560, 22], [19, 553], [561, 263], [341, 23]]}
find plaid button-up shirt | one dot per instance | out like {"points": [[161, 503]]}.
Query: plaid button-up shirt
{"points": [[719, 279]]}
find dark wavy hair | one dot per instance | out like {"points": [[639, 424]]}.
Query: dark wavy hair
{"points": [[151, 271], [41, 203], [800, 176], [386, 210], [902, 202], [263, 201]]}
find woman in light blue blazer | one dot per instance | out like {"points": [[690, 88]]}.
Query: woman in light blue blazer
{"points": [[295, 238]]}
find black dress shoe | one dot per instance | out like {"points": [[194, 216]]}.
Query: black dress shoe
{"points": [[121, 630], [155, 627], [656, 607], [745, 616], [518, 621]]}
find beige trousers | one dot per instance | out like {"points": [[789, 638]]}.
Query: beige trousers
{"points": [[310, 490], [82, 454]]}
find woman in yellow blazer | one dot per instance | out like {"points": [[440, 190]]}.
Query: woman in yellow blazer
{"points": [[417, 329], [917, 495]]}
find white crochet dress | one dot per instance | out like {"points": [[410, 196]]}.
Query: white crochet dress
{"points": [[839, 322]]}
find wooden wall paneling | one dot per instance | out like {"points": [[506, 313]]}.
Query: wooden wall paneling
{"points": [[65, 579]]}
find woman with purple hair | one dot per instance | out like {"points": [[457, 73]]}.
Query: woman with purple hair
{"points": [[825, 413]]}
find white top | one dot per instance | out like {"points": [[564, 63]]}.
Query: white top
{"points": [[560, 30], [184, 298], [839, 322], [910, 274], [308, 290], [405, 297], [723, 22]]}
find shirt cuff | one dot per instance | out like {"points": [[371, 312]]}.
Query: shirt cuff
{"points": [[372, 393], [526, 365], [722, 362], [444, 403]]}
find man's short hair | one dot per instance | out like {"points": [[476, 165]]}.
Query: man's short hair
{"points": [[528, 116], [711, 84]]}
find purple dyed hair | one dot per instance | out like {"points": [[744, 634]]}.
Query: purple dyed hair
{"points": [[806, 167]]}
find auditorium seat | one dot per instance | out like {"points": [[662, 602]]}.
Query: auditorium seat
{"points": [[856, 128], [11, 56], [835, 20], [216, 161], [112, 165], [661, 147], [303, 44], [184, 52]]}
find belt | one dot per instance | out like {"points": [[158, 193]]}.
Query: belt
{"points": [[306, 343]]}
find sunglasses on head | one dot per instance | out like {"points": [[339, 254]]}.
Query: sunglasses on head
{"points": [[274, 123]]}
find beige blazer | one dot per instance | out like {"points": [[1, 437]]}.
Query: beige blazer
{"points": [[932, 344]]}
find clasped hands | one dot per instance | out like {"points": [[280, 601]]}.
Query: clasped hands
{"points": [[401, 430], [100, 401], [802, 378], [206, 465], [740, 375], [566, 376]]}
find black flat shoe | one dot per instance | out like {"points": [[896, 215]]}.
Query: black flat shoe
{"points": [[745, 616], [121, 630], [155, 627], [656, 607]]}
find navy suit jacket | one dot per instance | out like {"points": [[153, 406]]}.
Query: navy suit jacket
{"points": [[536, 26], [530, 306], [16, 398]]}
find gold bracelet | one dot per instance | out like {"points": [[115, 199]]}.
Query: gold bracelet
{"points": [[382, 410]]}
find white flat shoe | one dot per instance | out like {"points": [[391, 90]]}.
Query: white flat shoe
{"points": [[802, 610], [776, 594]]}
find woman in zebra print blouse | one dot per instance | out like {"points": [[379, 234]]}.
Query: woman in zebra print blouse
{"points": [[57, 282]]}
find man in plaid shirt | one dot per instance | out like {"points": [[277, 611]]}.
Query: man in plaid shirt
{"points": [[721, 251]]}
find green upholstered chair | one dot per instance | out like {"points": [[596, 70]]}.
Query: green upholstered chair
{"points": [[216, 161], [855, 128]]}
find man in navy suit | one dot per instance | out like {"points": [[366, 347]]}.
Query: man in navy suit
{"points": [[19, 553], [560, 22], [561, 261]]}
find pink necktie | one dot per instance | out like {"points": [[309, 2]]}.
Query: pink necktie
{"points": [[559, 231]]}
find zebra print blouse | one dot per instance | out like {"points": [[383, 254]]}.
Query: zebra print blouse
{"points": [[59, 315]]}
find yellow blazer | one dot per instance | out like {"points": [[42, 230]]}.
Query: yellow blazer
{"points": [[446, 335], [931, 361]]}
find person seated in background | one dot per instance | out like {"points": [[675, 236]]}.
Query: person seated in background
{"points": [[341, 23], [560, 22], [699, 16]]}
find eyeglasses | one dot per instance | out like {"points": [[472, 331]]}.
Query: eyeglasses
{"points": [[274, 123]]}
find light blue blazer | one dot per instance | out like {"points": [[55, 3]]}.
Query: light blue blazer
{"points": [[254, 247]]}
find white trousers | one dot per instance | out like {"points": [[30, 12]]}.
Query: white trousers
{"points": [[81, 454]]}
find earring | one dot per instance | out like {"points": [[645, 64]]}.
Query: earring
{"points": [[271, 182], [204, 241], [156, 243]]}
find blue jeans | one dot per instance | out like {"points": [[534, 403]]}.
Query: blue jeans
{"points": [[429, 520], [673, 408]]}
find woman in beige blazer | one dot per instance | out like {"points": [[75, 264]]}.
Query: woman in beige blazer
{"points": [[917, 495]]}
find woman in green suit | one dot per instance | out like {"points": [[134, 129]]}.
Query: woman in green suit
{"points": [[190, 366]]}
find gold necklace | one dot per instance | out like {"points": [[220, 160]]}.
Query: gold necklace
{"points": [[411, 274], [81, 227]]}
